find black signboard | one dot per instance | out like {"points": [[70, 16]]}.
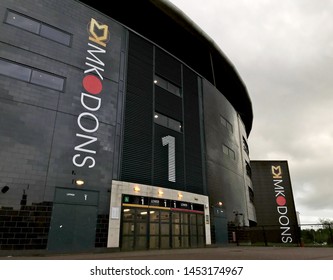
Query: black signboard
{"points": [[132, 199], [160, 202]]}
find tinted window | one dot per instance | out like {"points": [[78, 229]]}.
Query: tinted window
{"points": [[55, 35], [23, 22], [167, 122], [38, 28], [47, 80], [160, 119], [15, 70], [167, 85], [175, 125]]}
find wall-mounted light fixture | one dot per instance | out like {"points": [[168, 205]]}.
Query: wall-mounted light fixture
{"points": [[160, 192], [136, 188], [180, 195], [79, 182]]}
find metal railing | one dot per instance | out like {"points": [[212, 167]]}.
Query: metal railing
{"points": [[298, 235]]}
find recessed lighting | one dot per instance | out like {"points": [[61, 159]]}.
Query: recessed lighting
{"points": [[79, 182]]}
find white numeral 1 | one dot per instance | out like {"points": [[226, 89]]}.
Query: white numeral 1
{"points": [[170, 141]]}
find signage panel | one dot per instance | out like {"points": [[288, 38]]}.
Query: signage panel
{"points": [[161, 202]]}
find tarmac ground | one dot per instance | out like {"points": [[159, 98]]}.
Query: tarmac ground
{"points": [[218, 253]]}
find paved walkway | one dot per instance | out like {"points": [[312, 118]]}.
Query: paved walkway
{"points": [[221, 253]]}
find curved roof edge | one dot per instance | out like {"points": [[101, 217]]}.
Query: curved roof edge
{"points": [[186, 22], [161, 22]]}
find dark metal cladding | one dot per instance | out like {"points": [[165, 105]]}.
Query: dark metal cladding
{"points": [[164, 24]]}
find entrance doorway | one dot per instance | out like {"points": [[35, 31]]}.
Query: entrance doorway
{"points": [[221, 226], [73, 221], [149, 228]]}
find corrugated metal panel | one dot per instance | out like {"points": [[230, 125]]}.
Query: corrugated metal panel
{"points": [[137, 146], [168, 104], [167, 67], [193, 157]]}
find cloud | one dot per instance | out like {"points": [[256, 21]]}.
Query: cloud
{"points": [[283, 51]]}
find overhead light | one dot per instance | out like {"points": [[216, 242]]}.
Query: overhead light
{"points": [[155, 81], [145, 212], [220, 203], [127, 210], [79, 182], [156, 116]]}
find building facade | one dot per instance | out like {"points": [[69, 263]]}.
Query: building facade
{"points": [[118, 132]]}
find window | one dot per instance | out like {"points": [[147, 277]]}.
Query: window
{"points": [[167, 122], [30, 75], [47, 80], [55, 35], [226, 123], [160, 119], [229, 152], [15, 71], [39, 28], [245, 146], [167, 85], [248, 169], [251, 195]]}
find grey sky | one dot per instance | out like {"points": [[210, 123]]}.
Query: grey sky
{"points": [[283, 51]]}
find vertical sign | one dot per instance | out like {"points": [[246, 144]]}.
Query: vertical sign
{"points": [[281, 204], [91, 99]]}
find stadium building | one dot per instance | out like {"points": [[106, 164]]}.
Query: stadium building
{"points": [[118, 129]]}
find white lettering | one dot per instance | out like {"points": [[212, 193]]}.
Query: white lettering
{"points": [[284, 220], [84, 161], [86, 129], [287, 239], [90, 102], [79, 147], [94, 68], [97, 50], [286, 230], [85, 95], [282, 210], [276, 184], [170, 142]]}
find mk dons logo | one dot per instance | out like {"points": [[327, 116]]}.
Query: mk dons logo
{"points": [[91, 94], [277, 172], [281, 201], [99, 33]]}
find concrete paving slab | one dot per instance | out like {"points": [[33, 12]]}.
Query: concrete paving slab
{"points": [[220, 253]]}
